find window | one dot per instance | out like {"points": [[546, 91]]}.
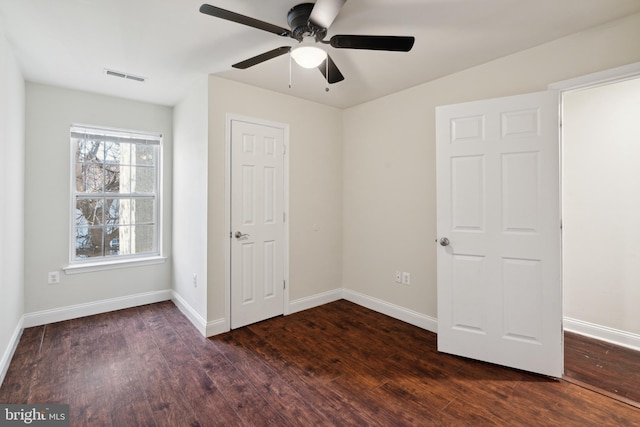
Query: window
{"points": [[115, 195]]}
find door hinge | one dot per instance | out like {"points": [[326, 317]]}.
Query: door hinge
{"points": [[284, 284], [284, 149], [284, 217]]}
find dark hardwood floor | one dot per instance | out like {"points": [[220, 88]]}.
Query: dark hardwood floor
{"points": [[607, 367], [335, 365]]}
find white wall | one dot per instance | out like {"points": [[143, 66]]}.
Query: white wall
{"points": [[49, 113], [12, 105], [389, 220], [315, 154], [190, 125], [601, 205]]}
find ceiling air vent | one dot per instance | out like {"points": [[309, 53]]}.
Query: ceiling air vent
{"points": [[124, 75]]}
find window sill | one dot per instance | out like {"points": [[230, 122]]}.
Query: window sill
{"points": [[112, 265]]}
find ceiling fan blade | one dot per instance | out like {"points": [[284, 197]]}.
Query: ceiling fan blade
{"points": [[262, 57], [335, 75], [391, 43], [325, 11], [245, 20]]}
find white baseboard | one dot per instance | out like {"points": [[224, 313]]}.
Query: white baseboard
{"points": [[11, 349], [189, 312], [95, 307], [208, 329], [397, 312], [216, 327], [604, 333], [314, 301]]}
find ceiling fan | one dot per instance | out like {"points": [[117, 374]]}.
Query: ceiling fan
{"points": [[309, 23]]}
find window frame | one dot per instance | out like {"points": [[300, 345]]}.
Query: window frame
{"points": [[105, 262]]}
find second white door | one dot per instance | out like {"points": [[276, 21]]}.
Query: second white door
{"points": [[499, 266], [257, 222]]}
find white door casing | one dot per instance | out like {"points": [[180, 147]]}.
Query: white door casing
{"points": [[257, 222], [498, 204]]}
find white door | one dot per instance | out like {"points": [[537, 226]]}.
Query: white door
{"points": [[498, 223], [257, 222]]}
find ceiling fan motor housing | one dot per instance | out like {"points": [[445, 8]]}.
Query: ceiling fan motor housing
{"points": [[298, 19]]}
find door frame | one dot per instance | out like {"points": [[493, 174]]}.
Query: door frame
{"points": [[230, 117], [588, 81]]}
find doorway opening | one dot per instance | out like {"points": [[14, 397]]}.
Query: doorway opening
{"points": [[601, 237]]}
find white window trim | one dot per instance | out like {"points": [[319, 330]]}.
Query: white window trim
{"points": [[102, 264], [89, 267]]}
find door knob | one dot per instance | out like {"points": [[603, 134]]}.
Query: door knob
{"points": [[240, 235], [444, 241]]}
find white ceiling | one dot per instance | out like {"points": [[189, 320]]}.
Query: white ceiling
{"points": [[69, 43]]}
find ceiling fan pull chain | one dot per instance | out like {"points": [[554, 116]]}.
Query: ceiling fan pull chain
{"points": [[289, 69], [326, 64]]}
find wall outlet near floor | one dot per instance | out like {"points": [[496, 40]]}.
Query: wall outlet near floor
{"points": [[53, 277], [406, 278], [398, 276], [194, 280]]}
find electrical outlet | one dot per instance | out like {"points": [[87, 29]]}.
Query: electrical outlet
{"points": [[406, 278], [398, 277], [53, 277], [195, 280]]}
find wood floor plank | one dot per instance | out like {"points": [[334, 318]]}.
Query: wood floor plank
{"points": [[243, 396], [50, 379], [603, 365], [209, 404], [128, 404], [169, 405], [336, 355], [314, 390], [90, 408], [279, 393], [14, 388]]}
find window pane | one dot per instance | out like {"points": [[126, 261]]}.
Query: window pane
{"points": [[125, 212], [143, 155], [125, 180], [83, 237], [89, 151], [143, 179], [89, 177], [90, 243], [111, 178], [89, 211], [124, 241], [116, 153], [113, 214], [142, 237], [112, 239], [143, 211]]}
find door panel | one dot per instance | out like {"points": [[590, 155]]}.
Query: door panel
{"points": [[257, 206], [467, 180], [498, 193]]}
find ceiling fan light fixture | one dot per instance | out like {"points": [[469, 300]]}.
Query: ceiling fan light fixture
{"points": [[308, 56]]}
